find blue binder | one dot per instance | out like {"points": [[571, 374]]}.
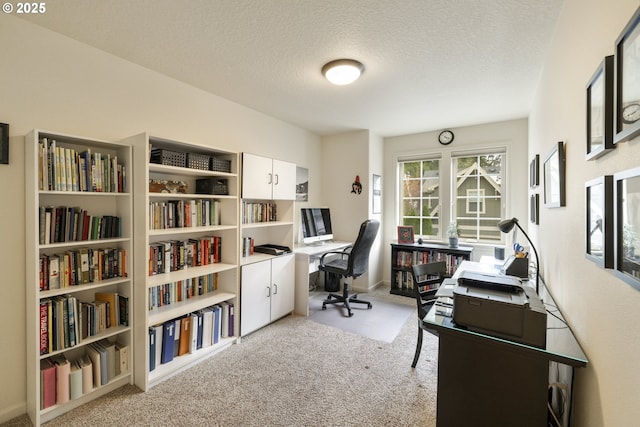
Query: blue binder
{"points": [[152, 349], [168, 332]]}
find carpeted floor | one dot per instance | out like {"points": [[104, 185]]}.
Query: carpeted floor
{"points": [[294, 372]]}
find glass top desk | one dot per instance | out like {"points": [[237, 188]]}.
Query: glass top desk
{"points": [[487, 380]]}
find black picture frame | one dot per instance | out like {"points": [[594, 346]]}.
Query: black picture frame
{"points": [[534, 172], [534, 205], [376, 190], [600, 110], [405, 234], [554, 177], [599, 221], [4, 143], [627, 226], [627, 82]]}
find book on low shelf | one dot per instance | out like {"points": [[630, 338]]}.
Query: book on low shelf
{"points": [[75, 380], [168, 341], [47, 383], [63, 369]]}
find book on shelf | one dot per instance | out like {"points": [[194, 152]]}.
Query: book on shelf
{"points": [[63, 369], [193, 338], [75, 380], [207, 327], [152, 349], [176, 336], [224, 329], [47, 383], [87, 373], [44, 326], [123, 304], [185, 335], [98, 356], [217, 323], [111, 298], [168, 341], [122, 358], [200, 316]]}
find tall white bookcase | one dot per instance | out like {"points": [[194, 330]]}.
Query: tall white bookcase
{"points": [[100, 200], [147, 201]]}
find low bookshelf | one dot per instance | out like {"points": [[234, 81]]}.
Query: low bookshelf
{"points": [[405, 255]]}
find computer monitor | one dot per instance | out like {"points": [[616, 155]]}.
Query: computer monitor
{"points": [[316, 225]]}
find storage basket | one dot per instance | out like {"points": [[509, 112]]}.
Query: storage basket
{"points": [[197, 161], [168, 157], [219, 164]]}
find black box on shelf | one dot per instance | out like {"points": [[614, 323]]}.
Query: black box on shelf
{"points": [[168, 157], [218, 186], [219, 164], [198, 161]]}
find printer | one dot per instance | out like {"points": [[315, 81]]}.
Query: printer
{"points": [[500, 306]]}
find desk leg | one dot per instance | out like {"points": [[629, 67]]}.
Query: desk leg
{"points": [[302, 285], [485, 383]]}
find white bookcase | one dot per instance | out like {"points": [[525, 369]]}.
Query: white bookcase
{"points": [[268, 281], [147, 233], [75, 287]]}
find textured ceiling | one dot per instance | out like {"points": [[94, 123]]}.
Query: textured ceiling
{"points": [[430, 64]]}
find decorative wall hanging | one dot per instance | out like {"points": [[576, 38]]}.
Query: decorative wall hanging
{"points": [[534, 202], [600, 110], [302, 184], [534, 171], [554, 176], [356, 187], [627, 84], [405, 234], [599, 233]]}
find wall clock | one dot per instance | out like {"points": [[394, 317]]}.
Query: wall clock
{"points": [[445, 137]]}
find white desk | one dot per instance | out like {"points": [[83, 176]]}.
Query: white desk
{"points": [[307, 260]]}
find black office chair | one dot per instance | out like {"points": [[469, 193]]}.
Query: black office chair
{"points": [[426, 281], [352, 262]]}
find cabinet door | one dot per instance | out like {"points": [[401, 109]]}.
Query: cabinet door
{"points": [[284, 180], [256, 296], [257, 177], [283, 286]]}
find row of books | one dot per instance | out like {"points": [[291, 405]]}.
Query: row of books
{"points": [[65, 321], [404, 280], [81, 266], [173, 255], [190, 333], [253, 212], [182, 290], [184, 213], [62, 380], [248, 246], [64, 169], [71, 224], [405, 259]]}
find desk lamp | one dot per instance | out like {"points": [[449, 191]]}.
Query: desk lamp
{"points": [[506, 225]]}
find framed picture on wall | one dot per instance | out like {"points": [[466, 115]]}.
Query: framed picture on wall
{"points": [[4, 143], [534, 171], [534, 204], [627, 83], [599, 232], [554, 177], [600, 110], [376, 189], [405, 234], [627, 226]]}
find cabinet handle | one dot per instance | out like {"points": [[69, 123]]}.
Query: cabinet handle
{"points": [[277, 180], [270, 178], [268, 291], [275, 288]]}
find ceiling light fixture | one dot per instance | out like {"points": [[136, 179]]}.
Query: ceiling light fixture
{"points": [[342, 71]]}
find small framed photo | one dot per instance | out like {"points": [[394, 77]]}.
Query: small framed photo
{"points": [[405, 234], [376, 187], [554, 177], [534, 172], [4, 143], [600, 110], [599, 232], [627, 226], [534, 204], [627, 83]]}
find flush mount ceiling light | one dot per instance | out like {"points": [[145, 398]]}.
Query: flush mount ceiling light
{"points": [[343, 71]]}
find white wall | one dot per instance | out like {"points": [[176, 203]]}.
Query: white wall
{"points": [[51, 82], [510, 134], [603, 311]]}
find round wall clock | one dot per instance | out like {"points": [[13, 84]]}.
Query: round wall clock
{"points": [[445, 137], [631, 113]]}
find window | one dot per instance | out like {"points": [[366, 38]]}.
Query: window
{"points": [[420, 196], [477, 195], [472, 187]]}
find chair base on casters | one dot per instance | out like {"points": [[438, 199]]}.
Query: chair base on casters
{"points": [[345, 299]]}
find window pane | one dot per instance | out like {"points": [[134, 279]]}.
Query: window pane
{"points": [[420, 181]]}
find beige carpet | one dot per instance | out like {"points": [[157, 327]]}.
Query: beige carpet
{"points": [[294, 372]]}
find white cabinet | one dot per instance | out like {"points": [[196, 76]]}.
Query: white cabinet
{"points": [[265, 178], [267, 292]]}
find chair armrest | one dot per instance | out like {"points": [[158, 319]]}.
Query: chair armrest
{"points": [[343, 252]]}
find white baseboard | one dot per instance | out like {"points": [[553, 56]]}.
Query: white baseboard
{"points": [[12, 412]]}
